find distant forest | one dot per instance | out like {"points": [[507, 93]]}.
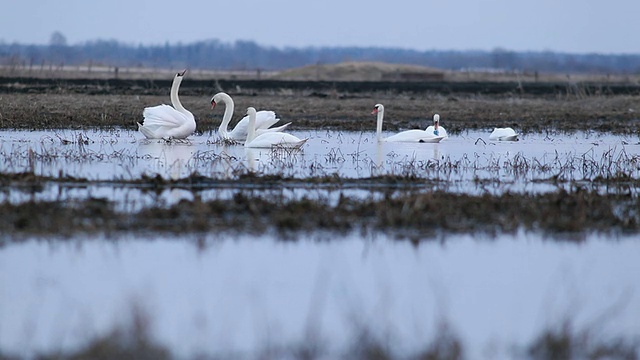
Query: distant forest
{"points": [[248, 55]]}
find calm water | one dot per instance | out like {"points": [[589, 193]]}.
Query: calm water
{"points": [[246, 294]]}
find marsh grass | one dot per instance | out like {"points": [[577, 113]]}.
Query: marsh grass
{"points": [[70, 108], [564, 341], [133, 340], [409, 215]]}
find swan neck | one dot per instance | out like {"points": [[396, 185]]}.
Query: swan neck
{"points": [[379, 124], [251, 130], [228, 113], [175, 101]]}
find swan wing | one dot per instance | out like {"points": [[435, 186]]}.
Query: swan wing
{"points": [[148, 131], [264, 120], [163, 121], [414, 136], [274, 129], [503, 134], [163, 116], [276, 139]]}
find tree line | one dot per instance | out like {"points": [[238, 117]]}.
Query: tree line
{"points": [[248, 55]]}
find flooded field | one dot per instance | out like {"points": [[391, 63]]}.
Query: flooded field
{"points": [[468, 248], [255, 296], [244, 292]]}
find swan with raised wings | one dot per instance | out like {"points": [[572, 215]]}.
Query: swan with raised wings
{"points": [[436, 129], [264, 120], [503, 134], [414, 135], [166, 122], [269, 139]]}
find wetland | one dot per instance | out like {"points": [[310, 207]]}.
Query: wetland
{"points": [[348, 247]]}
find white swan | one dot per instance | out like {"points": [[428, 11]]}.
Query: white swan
{"points": [[269, 139], [264, 120], [166, 122], [436, 129], [503, 134], [405, 136]]}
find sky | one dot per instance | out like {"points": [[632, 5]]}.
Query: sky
{"points": [[575, 26]]}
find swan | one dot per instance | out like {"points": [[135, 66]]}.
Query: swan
{"points": [[503, 134], [414, 135], [269, 139], [264, 120], [436, 129], [166, 122]]}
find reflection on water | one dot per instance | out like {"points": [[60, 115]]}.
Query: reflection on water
{"points": [[172, 159], [249, 293]]}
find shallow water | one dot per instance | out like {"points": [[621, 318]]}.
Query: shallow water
{"points": [[465, 163], [250, 293], [207, 293]]}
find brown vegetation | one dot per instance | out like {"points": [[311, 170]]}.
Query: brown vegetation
{"points": [[413, 215], [330, 109]]}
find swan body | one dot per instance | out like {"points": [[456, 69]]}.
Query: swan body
{"points": [[264, 120], [503, 134], [404, 136], [436, 129], [167, 122], [271, 139]]}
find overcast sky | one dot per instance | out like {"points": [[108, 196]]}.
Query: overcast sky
{"points": [[579, 26]]}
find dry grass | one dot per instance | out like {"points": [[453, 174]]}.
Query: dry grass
{"points": [[411, 215], [617, 114], [346, 71], [359, 71]]}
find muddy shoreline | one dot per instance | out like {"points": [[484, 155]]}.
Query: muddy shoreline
{"points": [[566, 214]]}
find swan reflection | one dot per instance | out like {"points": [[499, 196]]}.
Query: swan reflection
{"points": [[172, 158]]}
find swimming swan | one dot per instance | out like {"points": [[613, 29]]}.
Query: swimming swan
{"points": [[503, 134], [166, 122], [414, 135], [264, 120], [436, 129], [269, 139]]}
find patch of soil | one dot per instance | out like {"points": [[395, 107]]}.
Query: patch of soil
{"points": [[29, 103]]}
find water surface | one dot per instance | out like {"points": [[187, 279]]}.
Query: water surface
{"points": [[249, 293], [464, 163]]}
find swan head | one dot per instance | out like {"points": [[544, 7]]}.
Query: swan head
{"points": [[436, 120], [219, 97], [216, 99], [180, 74], [378, 108], [251, 110]]}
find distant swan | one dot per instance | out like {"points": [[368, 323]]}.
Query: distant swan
{"points": [[436, 129], [166, 122], [405, 136], [269, 139], [264, 120], [503, 134]]}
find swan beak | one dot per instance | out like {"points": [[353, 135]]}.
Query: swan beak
{"points": [[375, 111], [182, 73], [213, 104]]}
